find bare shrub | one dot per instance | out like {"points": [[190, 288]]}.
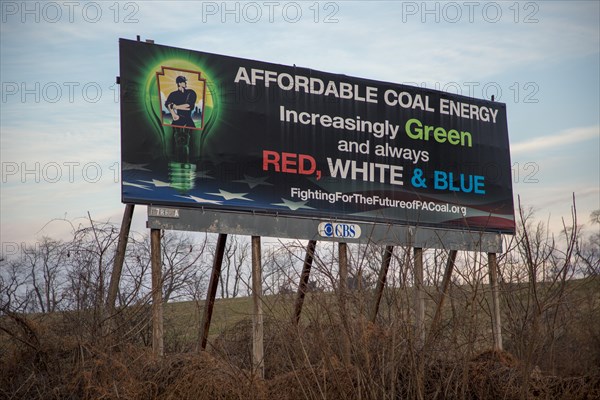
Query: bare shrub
{"points": [[71, 348]]}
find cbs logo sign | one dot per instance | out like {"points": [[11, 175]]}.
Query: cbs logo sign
{"points": [[339, 230]]}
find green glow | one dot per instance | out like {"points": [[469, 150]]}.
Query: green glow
{"points": [[180, 159], [149, 99], [182, 176]]}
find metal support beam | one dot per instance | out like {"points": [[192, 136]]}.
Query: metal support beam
{"points": [[157, 304], [303, 285], [257, 320], [381, 279], [496, 321], [281, 226], [115, 277], [212, 289]]}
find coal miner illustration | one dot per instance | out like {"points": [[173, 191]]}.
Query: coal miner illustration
{"points": [[181, 103]]}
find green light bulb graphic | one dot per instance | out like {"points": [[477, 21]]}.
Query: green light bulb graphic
{"points": [[182, 174], [182, 109]]}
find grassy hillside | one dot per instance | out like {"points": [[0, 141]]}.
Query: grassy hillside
{"points": [[551, 336]]}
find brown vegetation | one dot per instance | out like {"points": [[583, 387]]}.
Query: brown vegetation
{"points": [[301, 363], [58, 341]]}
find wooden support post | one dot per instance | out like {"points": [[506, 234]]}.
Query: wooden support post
{"points": [[343, 255], [115, 277], [303, 285], [257, 320], [385, 264], [157, 305], [212, 289], [343, 287], [419, 297], [496, 321], [445, 283], [419, 300]]}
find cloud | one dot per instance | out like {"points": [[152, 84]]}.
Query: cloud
{"points": [[566, 137], [369, 39], [552, 204]]}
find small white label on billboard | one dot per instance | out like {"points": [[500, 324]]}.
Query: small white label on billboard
{"points": [[164, 212], [339, 230]]}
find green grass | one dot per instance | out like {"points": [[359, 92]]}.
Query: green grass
{"points": [[182, 319]]}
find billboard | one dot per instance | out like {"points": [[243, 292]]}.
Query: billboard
{"points": [[209, 131]]}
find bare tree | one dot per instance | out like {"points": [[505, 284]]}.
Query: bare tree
{"points": [[537, 285], [91, 253], [182, 259], [45, 261], [15, 292], [134, 285], [236, 267], [588, 250]]}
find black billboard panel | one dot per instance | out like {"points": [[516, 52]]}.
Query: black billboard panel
{"points": [[225, 133]]}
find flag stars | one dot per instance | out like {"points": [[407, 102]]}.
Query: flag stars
{"points": [[294, 205], [201, 200], [230, 196], [254, 182], [136, 185]]}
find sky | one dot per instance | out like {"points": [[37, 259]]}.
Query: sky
{"points": [[59, 115]]}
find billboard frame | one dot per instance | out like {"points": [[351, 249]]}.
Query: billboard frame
{"points": [[285, 226], [254, 224]]}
